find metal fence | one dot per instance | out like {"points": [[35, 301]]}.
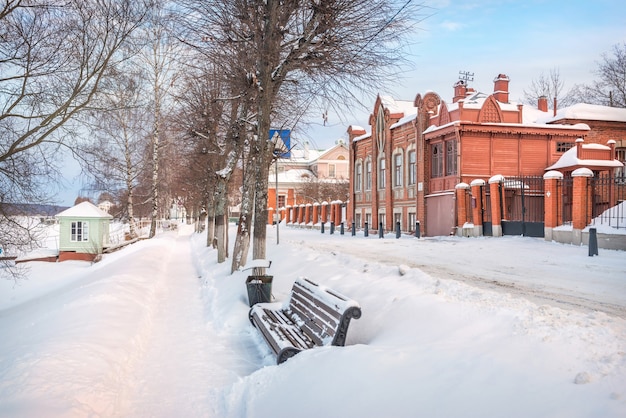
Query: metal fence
{"points": [[608, 201]]}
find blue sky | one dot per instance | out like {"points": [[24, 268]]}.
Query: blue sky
{"points": [[521, 39]]}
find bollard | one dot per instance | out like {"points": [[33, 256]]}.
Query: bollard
{"points": [[322, 228], [341, 229], [381, 233], [417, 229], [353, 230], [593, 242], [332, 228], [397, 230], [366, 231]]}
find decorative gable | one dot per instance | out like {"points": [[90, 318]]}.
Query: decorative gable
{"points": [[490, 112]]}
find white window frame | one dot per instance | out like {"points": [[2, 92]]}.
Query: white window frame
{"points": [[79, 231]]}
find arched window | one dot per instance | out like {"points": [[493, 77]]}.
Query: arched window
{"points": [[368, 175], [451, 157], [412, 167], [437, 160], [358, 176], [397, 169], [382, 178]]}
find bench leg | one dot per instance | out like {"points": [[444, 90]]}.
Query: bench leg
{"points": [[285, 354]]}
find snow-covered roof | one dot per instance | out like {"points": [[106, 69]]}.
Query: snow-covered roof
{"points": [[570, 159], [297, 175], [84, 210], [398, 106], [586, 111], [404, 120], [300, 155]]}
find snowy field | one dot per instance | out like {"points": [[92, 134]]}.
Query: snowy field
{"points": [[451, 327]]}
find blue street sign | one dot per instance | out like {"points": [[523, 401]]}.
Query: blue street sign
{"points": [[282, 139]]}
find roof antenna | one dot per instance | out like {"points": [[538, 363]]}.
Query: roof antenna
{"points": [[466, 76]]}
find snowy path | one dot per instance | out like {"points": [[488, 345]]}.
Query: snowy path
{"points": [[489, 264], [180, 349]]}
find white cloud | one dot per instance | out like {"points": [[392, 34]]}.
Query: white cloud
{"points": [[451, 26]]}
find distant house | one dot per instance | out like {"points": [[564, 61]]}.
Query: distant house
{"points": [[105, 206], [83, 232], [305, 165]]}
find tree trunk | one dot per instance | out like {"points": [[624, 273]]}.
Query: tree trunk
{"points": [[260, 212], [242, 241], [155, 178], [220, 203], [210, 230]]}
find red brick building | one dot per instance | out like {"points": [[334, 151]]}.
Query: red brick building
{"points": [[407, 168], [303, 166]]}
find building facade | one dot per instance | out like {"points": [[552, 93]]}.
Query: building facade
{"points": [[294, 181], [406, 168]]}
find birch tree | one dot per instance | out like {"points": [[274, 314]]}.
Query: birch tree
{"points": [[114, 155], [160, 58]]}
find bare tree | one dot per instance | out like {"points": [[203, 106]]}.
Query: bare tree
{"points": [[549, 86], [320, 190], [160, 59], [318, 50], [53, 58], [114, 154], [610, 88]]}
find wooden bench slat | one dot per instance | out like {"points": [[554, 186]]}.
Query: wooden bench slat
{"points": [[314, 316]]}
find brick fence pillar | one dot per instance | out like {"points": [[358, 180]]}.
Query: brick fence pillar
{"points": [[324, 212], [301, 213], [307, 214], [477, 206], [281, 214], [552, 180], [270, 215], [287, 214], [316, 213], [462, 198], [495, 184], [581, 203], [338, 212]]}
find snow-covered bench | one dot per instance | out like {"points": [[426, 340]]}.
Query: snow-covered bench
{"points": [[314, 316]]}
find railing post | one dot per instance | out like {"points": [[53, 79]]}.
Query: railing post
{"points": [[551, 202], [581, 203], [495, 184]]}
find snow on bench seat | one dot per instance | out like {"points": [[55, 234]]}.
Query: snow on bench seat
{"points": [[314, 316]]}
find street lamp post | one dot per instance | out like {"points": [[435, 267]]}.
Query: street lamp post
{"points": [[277, 214], [280, 148]]}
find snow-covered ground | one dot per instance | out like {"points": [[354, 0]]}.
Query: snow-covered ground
{"points": [[451, 327]]}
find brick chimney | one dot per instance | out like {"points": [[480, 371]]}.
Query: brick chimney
{"points": [[501, 88], [542, 103], [460, 90]]}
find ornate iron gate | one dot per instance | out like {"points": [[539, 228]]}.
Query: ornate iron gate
{"points": [[523, 206]]}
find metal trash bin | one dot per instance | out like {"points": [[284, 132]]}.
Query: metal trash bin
{"points": [[259, 289]]}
